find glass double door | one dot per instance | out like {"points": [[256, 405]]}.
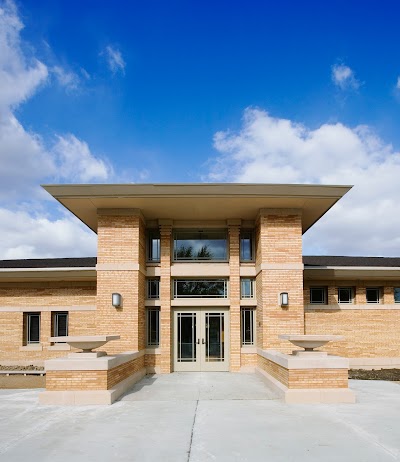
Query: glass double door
{"points": [[201, 340]]}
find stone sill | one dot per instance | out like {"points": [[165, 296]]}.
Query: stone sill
{"points": [[31, 347], [248, 350], [59, 347], [352, 306]]}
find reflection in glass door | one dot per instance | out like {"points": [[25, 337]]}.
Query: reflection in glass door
{"points": [[186, 351], [200, 340]]}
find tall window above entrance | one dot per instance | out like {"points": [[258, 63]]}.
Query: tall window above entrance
{"points": [[153, 245], [200, 245]]}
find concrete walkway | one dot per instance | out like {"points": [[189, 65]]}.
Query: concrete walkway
{"points": [[203, 417]]}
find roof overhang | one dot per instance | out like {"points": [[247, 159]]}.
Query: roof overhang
{"points": [[196, 201], [351, 273], [47, 274]]}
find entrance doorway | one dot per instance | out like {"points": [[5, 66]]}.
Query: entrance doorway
{"points": [[201, 339]]}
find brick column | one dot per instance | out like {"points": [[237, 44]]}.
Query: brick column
{"points": [[234, 294], [121, 269], [165, 296], [280, 269]]}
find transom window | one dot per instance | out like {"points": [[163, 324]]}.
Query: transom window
{"points": [[153, 327], [247, 287], [32, 328], [153, 245], [192, 288], [153, 288], [397, 294], [372, 294], [247, 324], [318, 295], [345, 295], [246, 245], [200, 245]]}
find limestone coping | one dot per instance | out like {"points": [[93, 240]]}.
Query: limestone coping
{"points": [[294, 362], [102, 363]]}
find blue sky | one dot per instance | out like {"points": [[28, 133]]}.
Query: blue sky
{"points": [[178, 91]]}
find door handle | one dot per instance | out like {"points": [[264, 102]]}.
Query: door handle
{"points": [[202, 341], [198, 341]]}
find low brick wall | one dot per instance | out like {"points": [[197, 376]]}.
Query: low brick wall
{"points": [[91, 380], [307, 379]]}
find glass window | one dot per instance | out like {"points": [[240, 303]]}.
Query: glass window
{"points": [[345, 295], [248, 326], [246, 246], [318, 295], [153, 327], [372, 294], [153, 288], [32, 327], [192, 288], [200, 245], [397, 294], [153, 245], [60, 324], [247, 288]]}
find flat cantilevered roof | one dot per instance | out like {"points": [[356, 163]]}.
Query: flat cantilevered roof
{"points": [[196, 201]]}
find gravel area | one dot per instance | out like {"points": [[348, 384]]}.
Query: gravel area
{"points": [[381, 374], [21, 368]]}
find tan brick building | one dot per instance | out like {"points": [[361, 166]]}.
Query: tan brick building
{"points": [[202, 271]]}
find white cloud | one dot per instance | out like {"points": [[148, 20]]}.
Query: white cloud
{"points": [[344, 78], [77, 163], [20, 76], [398, 83], [273, 150], [27, 159], [65, 78], [114, 59], [27, 236]]}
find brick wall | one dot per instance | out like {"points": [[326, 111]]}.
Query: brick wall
{"points": [[279, 257], [369, 332], [234, 295], [32, 296], [92, 380], [305, 378], [121, 258]]}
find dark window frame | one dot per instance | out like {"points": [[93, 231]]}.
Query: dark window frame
{"points": [[28, 328], [249, 235], [153, 332], [199, 282], [324, 291], [351, 298], [247, 332], [149, 293], [153, 234], [55, 315], [377, 291], [396, 294], [198, 258]]}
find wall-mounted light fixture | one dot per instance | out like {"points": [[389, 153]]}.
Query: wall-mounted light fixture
{"points": [[116, 300], [284, 299]]}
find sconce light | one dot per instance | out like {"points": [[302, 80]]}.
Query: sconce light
{"points": [[116, 300], [284, 299]]}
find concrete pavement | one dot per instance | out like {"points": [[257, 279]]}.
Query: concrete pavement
{"points": [[203, 417]]}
